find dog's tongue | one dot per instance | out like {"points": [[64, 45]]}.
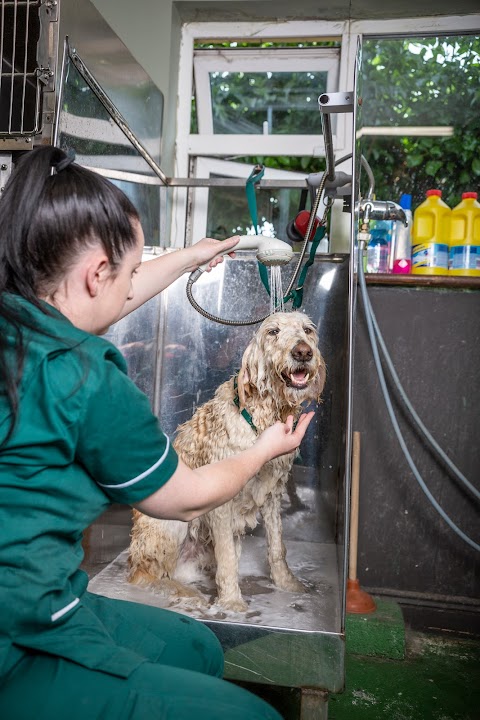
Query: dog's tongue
{"points": [[298, 377]]}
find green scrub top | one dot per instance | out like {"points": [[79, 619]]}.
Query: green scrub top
{"points": [[85, 436]]}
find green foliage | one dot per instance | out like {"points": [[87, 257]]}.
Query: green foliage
{"points": [[423, 82], [287, 101]]}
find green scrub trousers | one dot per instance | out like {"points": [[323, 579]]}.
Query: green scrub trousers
{"points": [[184, 682]]}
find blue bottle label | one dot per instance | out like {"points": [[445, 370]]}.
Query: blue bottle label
{"points": [[432, 255], [464, 257]]}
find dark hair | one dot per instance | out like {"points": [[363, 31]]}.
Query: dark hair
{"points": [[51, 209]]}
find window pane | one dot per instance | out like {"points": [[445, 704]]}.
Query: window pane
{"points": [[421, 81], [228, 212], [287, 101], [430, 84]]}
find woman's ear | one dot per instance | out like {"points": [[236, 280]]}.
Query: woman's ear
{"points": [[97, 271]]}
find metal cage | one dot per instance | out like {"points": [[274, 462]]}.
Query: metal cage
{"points": [[28, 48]]}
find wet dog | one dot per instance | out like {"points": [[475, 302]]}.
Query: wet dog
{"points": [[282, 370]]}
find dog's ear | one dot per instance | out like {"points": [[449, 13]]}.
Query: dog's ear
{"points": [[320, 380], [243, 386], [250, 373]]}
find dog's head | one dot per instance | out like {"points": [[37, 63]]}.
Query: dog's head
{"points": [[283, 360]]}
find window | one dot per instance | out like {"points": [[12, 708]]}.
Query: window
{"points": [[421, 115], [263, 91], [255, 100]]}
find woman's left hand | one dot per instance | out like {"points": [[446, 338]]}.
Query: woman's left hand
{"points": [[211, 251]]}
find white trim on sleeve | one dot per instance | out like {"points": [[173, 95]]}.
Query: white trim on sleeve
{"points": [[65, 609], [144, 474]]}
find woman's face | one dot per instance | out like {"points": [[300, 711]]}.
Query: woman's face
{"points": [[118, 287]]}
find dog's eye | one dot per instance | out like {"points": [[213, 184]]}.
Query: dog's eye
{"points": [[273, 331], [308, 330]]}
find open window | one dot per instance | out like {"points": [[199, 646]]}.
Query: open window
{"points": [[254, 100]]}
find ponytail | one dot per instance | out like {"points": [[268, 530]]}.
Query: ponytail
{"points": [[50, 211]]}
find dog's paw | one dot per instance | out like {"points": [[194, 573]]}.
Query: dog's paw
{"points": [[291, 584], [177, 593], [235, 605]]}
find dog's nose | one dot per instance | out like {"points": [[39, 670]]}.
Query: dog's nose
{"points": [[302, 352]]}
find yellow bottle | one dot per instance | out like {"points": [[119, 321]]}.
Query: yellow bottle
{"points": [[430, 236], [465, 237]]}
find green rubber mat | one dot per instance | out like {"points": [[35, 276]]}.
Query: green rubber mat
{"points": [[439, 679]]}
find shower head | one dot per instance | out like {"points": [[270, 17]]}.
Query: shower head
{"points": [[270, 251]]}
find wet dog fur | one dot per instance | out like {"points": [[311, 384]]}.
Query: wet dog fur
{"points": [[282, 371]]}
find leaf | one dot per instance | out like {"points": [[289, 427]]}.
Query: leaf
{"points": [[432, 167], [414, 160], [476, 166]]}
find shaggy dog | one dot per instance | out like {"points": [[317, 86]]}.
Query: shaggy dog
{"points": [[282, 368]]}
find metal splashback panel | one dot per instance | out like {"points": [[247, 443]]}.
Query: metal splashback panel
{"points": [[179, 358]]}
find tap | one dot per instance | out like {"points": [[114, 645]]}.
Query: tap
{"points": [[380, 210]]}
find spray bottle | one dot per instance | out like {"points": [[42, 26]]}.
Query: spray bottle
{"points": [[377, 251], [464, 256]]}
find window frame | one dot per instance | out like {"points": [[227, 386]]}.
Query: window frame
{"points": [[321, 59], [190, 146]]}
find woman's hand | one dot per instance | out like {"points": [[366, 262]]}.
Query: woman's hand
{"points": [[190, 493], [210, 251], [281, 438]]}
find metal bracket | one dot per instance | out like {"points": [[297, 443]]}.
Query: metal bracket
{"points": [[339, 102]]}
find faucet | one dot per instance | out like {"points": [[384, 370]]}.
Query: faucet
{"points": [[380, 210]]}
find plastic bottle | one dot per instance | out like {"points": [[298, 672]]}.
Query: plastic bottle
{"points": [[431, 231], [465, 237], [388, 227], [401, 262], [377, 251]]}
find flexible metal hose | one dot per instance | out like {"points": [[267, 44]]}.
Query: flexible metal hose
{"points": [[195, 275]]}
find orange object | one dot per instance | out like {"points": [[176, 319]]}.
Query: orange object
{"points": [[358, 601]]}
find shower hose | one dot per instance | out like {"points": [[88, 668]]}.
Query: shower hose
{"points": [[374, 335]]}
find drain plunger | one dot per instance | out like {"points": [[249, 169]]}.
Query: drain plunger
{"points": [[358, 601]]}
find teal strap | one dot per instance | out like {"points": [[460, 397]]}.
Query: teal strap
{"points": [[243, 412], [255, 177], [297, 294]]}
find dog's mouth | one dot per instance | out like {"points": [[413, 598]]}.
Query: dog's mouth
{"points": [[298, 379]]}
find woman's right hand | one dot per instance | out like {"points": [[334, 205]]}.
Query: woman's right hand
{"points": [[190, 493], [281, 438]]}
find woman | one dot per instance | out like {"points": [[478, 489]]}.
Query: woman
{"points": [[76, 434]]}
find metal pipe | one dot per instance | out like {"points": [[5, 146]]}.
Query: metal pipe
{"points": [[328, 141], [114, 113]]}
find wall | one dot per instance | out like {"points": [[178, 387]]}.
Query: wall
{"points": [[405, 548], [151, 31]]}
